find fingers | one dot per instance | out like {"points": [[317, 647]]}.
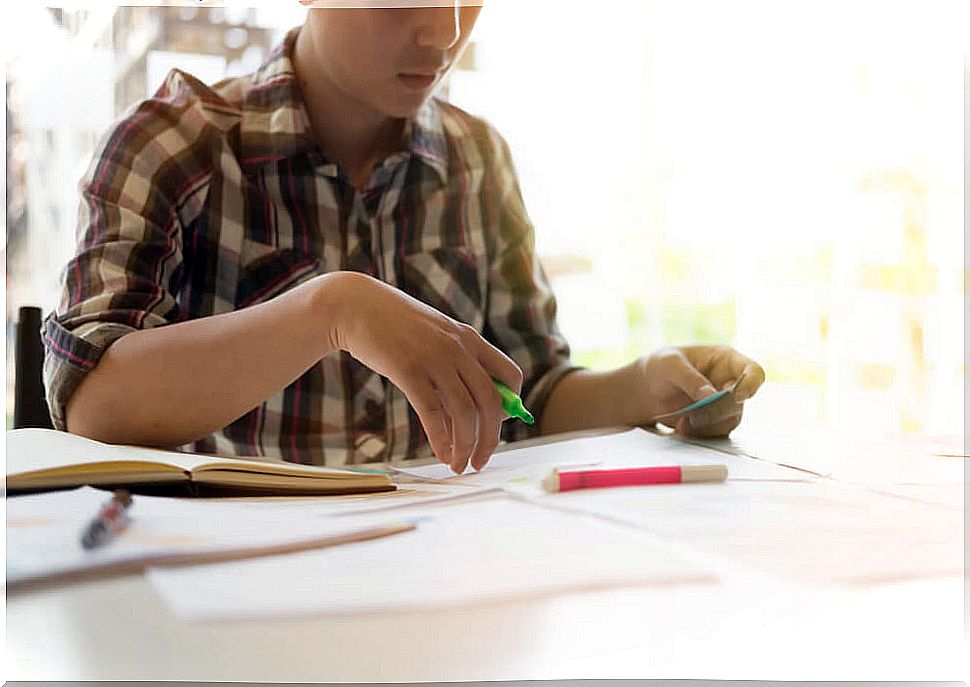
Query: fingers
{"points": [[431, 412], [488, 405], [446, 369], [463, 415], [696, 372], [711, 427], [474, 410], [754, 377], [449, 432], [478, 376], [730, 365], [489, 416], [687, 378], [498, 365], [723, 365], [709, 420]]}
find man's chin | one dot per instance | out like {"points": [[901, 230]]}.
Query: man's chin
{"points": [[405, 111], [406, 107]]}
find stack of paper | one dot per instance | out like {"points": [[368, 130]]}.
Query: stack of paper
{"points": [[485, 551], [819, 532], [523, 469], [44, 532]]}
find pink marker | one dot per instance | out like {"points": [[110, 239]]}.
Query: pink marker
{"points": [[566, 480]]}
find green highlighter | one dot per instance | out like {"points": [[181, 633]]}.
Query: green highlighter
{"points": [[512, 404]]}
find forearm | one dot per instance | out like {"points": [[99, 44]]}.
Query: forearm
{"points": [[171, 385], [586, 399]]}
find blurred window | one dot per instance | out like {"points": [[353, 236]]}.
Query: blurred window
{"points": [[782, 180]]}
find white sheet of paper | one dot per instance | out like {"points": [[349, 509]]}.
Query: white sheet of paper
{"points": [[949, 496], [44, 530], [818, 532], [408, 495], [484, 551], [860, 459], [524, 468]]}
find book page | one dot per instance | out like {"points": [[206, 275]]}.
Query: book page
{"points": [[30, 450]]}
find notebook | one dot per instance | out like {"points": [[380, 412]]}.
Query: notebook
{"points": [[40, 459]]}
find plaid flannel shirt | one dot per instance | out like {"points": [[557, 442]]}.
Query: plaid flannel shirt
{"points": [[204, 200]]}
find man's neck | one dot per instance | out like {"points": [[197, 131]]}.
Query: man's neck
{"points": [[353, 134]]}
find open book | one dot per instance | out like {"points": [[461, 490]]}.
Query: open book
{"points": [[40, 459]]}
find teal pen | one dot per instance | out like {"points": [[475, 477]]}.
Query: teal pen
{"points": [[366, 471], [512, 404], [713, 398]]}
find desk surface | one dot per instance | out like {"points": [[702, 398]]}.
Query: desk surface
{"points": [[119, 629]]}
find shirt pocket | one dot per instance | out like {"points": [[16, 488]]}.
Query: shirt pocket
{"points": [[449, 279], [267, 271]]}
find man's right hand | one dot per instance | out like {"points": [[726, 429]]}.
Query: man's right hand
{"points": [[443, 367]]}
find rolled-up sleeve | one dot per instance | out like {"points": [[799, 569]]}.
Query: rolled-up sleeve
{"points": [[128, 254], [521, 315]]}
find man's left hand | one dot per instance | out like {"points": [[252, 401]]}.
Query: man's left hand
{"points": [[674, 377]]}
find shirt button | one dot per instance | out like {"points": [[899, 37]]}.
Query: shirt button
{"points": [[368, 448]]}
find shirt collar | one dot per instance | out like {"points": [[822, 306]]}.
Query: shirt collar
{"points": [[424, 136], [274, 123]]}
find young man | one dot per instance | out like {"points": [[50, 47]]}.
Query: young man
{"points": [[321, 263]]}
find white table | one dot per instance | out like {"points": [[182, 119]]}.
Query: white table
{"points": [[742, 628]]}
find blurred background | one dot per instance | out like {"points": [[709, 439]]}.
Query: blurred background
{"points": [[786, 178]]}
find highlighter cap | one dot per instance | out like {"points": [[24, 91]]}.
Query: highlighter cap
{"points": [[512, 404]]}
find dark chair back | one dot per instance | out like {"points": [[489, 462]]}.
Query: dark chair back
{"points": [[30, 403]]}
